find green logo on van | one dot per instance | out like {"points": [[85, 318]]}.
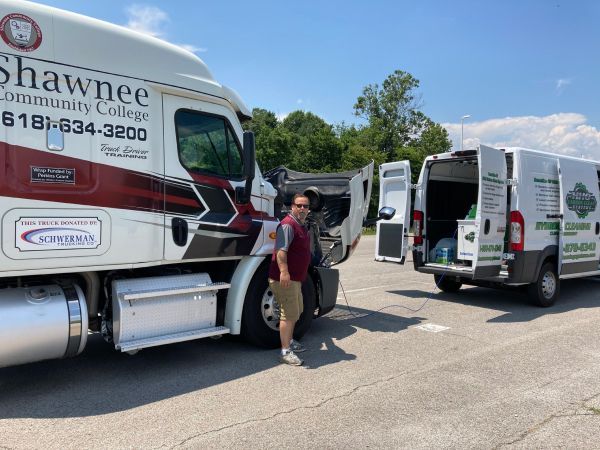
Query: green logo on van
{"points": [[470, 236], [581, 201]]}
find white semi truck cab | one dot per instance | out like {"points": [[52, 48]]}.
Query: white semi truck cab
{"points": [[130, 201]]}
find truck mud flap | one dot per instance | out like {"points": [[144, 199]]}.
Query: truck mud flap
{"points": [[327, 285]]}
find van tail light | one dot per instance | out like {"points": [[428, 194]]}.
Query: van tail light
{"points": [[517, 231], [418, 226]]}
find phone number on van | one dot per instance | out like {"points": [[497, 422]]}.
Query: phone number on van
{"points": [[39, 122]]}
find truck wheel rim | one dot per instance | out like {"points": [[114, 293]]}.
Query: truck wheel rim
{"points": [[548, 285], [270, 310]]}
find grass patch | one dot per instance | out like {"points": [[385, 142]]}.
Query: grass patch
{"points": [[594, 410], [369, 231]]}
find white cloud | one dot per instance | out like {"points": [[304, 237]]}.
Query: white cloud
{"points": [[147, 19], [299, 101], [561, 83], [281, 116], [151, 20], [564, 133]]}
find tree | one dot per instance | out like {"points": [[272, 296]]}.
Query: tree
{"points": [[274, 145], [431, 140], [317, 147], [391, 111]]}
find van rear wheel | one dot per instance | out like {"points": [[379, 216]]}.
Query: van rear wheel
{"points": [[447, 284], [545, 290]]}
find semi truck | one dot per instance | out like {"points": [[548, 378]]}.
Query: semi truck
{"points": [[509, 218], [131, 203]]}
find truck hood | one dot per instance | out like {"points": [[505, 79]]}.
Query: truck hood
{"points": [[339, 203]]}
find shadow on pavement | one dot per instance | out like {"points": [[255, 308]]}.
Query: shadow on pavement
{"points": [[343, 322], [102, 380], [517, 307]]}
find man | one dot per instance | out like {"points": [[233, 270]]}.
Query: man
{"points": [[289, 267]]}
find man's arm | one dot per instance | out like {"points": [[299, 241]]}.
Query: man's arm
{"points": [[283, 239], [284, 274]]}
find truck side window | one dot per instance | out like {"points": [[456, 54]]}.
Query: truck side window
{"points": [[207, 144]]}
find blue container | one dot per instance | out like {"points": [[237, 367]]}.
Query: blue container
{"points": [[444, 255]]}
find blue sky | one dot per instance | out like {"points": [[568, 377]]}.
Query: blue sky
{"points": [[526, 71]]}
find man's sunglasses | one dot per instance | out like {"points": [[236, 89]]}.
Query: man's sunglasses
{"points": [[300, 205]]}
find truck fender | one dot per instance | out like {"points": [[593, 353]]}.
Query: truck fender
{"points": [[550, 252], [239, 285]]}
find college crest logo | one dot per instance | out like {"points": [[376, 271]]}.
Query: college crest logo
{"points": [[20, 32], [470, 236], [581, 201]]}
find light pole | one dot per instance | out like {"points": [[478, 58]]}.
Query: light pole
{"points": [[462, 126]]}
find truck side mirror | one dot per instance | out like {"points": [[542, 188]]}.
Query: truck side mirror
{"points": [[242, 195], [249, 156]]}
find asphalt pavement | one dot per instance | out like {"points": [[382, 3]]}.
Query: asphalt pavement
{"points": [[402, 367]]}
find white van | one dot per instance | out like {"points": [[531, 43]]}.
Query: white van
{"points": [[496, 218]]}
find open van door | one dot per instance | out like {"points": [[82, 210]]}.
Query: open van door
{"points": [[394, 190], [490, 221], [339, 203], [579, 217]]}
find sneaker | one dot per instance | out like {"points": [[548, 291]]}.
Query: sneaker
{"points": [[291, 359], [297, 347]]}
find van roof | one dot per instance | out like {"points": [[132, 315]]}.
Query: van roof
{"points": [[82, 41], [472, 152]]}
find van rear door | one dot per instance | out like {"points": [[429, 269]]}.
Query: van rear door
{"points": [[394, 190], [490, 221], [580, 218]]}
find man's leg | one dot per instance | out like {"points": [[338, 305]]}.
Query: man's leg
{"points": [[286, 331]]}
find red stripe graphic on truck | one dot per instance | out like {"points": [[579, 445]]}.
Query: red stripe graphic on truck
{"points": [[101, 185]]}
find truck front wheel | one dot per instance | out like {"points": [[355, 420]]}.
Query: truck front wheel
{"points": [[260, 316], [545, 290]]}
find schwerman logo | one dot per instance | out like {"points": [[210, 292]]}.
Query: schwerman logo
{"points": [[581, 201]]}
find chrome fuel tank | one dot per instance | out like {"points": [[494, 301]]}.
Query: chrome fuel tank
{"points": [[41, 322]]}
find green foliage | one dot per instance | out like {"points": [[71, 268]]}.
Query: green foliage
{"points": [[391, 111], [395, 129], [318, 148]]}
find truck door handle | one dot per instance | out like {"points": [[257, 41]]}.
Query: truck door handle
{"points": [[554, 216], [179, 227], [597, 227]]}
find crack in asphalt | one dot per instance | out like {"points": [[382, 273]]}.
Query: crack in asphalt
{"points": [[550, 418], [290, 411]]}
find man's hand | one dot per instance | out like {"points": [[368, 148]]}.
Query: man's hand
{"points": [[284, 279]]}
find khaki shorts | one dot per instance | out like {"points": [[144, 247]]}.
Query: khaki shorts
{"points": [[289, 299]]}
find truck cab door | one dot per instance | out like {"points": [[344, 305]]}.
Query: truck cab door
{"points": [[579, 217], [490, 221], [394, 190], [204, 218]]}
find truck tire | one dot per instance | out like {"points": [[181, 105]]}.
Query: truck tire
{"points": [[545, 290], [446, 284], [260, 316]]}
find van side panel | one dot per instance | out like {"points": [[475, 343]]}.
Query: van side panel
{"points": [[536, 196]]}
